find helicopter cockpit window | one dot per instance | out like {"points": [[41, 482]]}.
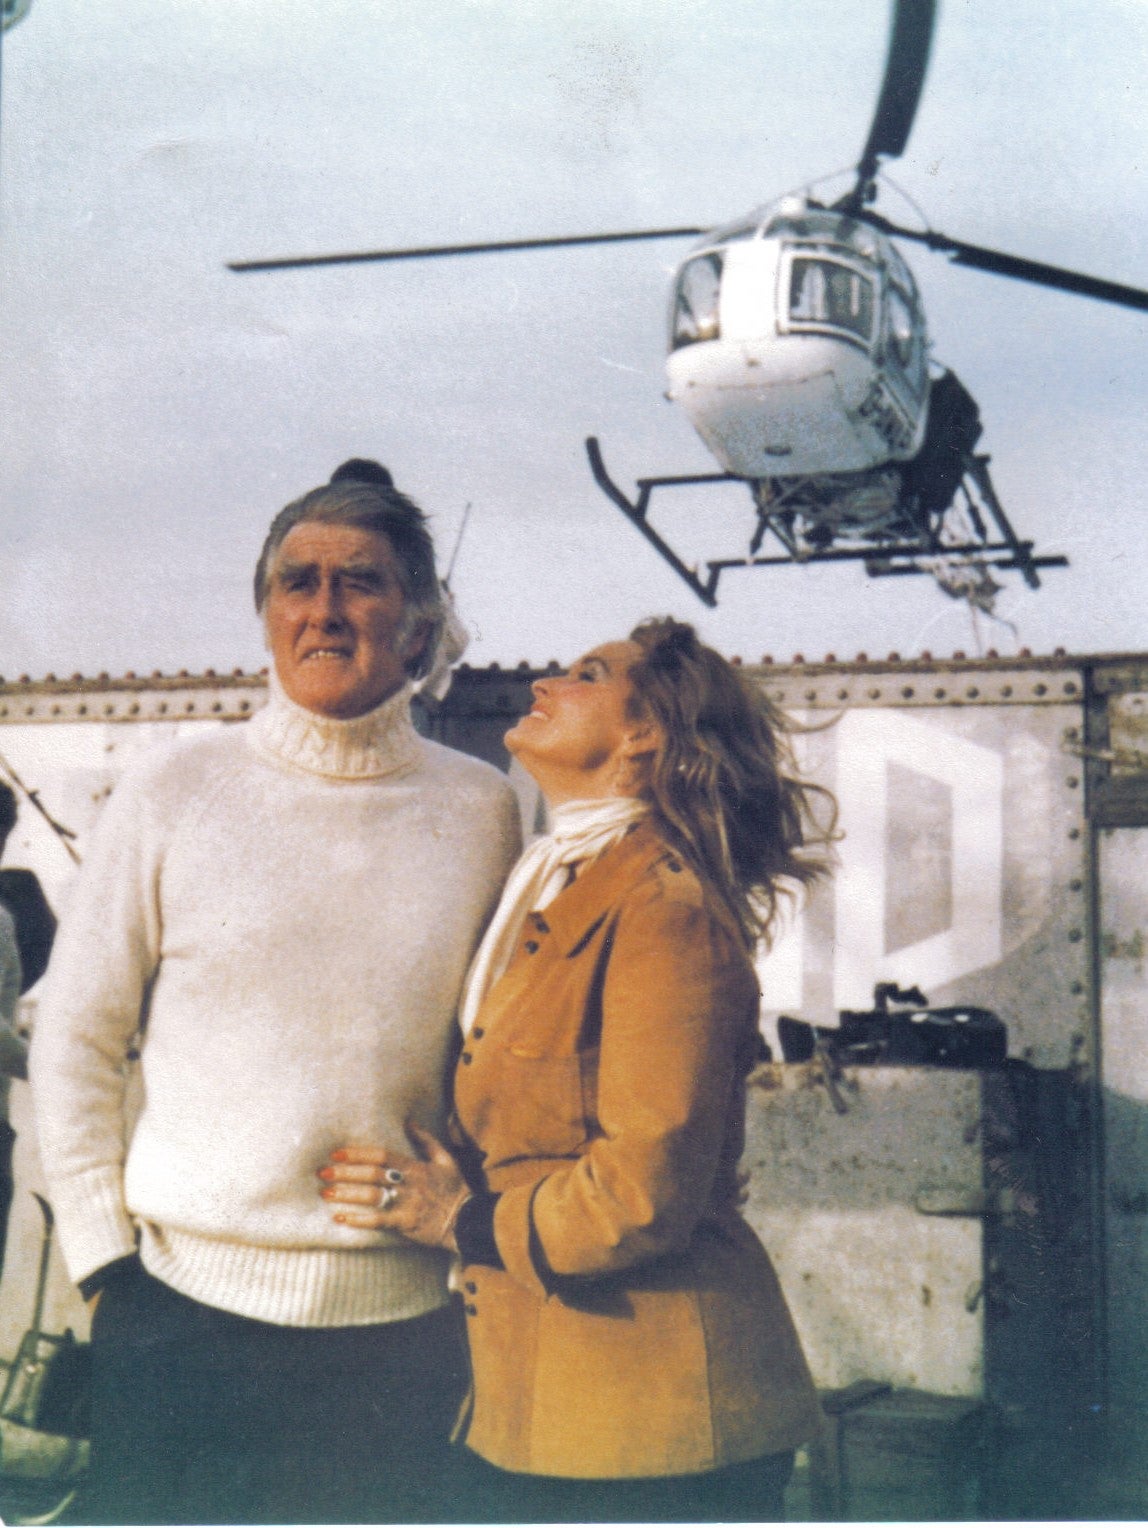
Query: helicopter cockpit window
{"points": [[696, 299], [906, 342], [898, 270], [828, 294]]}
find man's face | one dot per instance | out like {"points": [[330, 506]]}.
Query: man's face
{"points": [[334, 619]]}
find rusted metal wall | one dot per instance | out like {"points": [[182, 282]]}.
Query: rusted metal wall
{"points": [[1117, 762], [917, 1231], [932, 1228]]}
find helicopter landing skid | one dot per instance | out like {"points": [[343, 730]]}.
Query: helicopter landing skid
{"points": [[636, 513], [882, 559]]}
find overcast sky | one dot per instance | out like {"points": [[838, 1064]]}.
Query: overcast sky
{"points": [[156, 410]]}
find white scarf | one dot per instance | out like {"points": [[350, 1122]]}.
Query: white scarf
{"points": [[580, 830]]}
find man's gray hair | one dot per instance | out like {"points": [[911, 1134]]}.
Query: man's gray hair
{"points": [[378, 507]]}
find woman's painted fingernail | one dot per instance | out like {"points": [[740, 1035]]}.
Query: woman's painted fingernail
{"points": [[325, 1172]]}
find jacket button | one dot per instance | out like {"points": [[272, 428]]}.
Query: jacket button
{"points": [[466, 1058], [471, 1287], [531, 946], [478, 1033], [541, 924], [471, 1310]]}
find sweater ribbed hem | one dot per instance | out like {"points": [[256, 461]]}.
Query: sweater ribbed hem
{"points": [[313, 1287]]}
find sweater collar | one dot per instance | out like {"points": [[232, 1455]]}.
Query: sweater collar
{"points": [[381, 742]]}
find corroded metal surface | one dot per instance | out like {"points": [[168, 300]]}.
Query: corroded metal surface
{"points": [[827, 684], [1128, 731], [869, 1217], [1124, 968], [920, 685], [182, 697], [969, 793]]}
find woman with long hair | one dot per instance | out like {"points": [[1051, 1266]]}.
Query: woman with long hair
{"points": [[633, 1357]]}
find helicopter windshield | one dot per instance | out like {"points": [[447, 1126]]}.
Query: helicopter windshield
{"points": [[696, 298], [828, 294]]}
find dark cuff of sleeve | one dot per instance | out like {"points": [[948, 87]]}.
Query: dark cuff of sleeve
{"points": [[474, 1231], [119, 1268]]}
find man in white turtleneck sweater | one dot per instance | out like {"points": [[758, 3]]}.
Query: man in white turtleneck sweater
{"points": [[280, 915]]}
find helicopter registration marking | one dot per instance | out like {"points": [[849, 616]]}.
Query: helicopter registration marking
{"points": [[878, 410]]}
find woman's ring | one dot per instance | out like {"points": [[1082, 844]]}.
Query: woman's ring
{"points": [[392, 1175], [387, 1198]]}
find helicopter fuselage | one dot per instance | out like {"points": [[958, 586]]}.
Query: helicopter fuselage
{"points": [[798, 345]]}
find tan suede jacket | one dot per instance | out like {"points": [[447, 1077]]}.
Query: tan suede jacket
{"points": [[637, 1327]]}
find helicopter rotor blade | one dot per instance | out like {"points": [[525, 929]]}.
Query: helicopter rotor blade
{"points": [[977, 257], [438, 251], [909, 41]]}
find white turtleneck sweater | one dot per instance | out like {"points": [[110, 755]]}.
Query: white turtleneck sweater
{"points": [[288, 907]]}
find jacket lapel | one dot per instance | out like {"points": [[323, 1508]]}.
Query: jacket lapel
{"points": [[578, 909]]}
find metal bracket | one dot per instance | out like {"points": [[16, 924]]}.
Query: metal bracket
{"points": [[974, 1203]]}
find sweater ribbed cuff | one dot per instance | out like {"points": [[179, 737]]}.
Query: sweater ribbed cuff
{"points": [[94, 1226]]}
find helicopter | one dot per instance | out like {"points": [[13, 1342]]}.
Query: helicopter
{"points": [[799, 350]]}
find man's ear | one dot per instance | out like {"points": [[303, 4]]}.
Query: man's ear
{"points": [[414, 647]]}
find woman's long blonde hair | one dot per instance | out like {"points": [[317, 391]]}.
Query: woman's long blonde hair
{"points": [[724, 785]]}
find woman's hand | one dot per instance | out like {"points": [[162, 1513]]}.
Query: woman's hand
{"points": [[420, 1197]]}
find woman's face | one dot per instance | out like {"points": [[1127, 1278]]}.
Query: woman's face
{"points": [[577, 739]]}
